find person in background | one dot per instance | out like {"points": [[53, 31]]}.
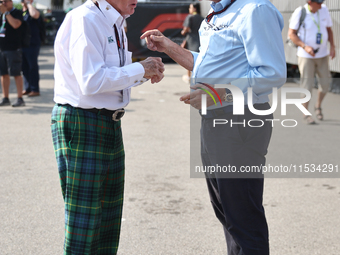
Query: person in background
{"points": [[313, 55], [190, 29], [30, 67], [10, 51]]}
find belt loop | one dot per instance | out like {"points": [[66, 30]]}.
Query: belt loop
{"points": [[98, 112]]}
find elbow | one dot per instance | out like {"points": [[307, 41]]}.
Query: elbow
{"points": [[16, 26], [291, 33], [275, 77], [87, 90], [280, 77], [89, 85], [36, 15]]}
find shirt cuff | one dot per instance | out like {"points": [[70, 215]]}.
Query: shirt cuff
{"points": [[136, 73], [195, 55]]}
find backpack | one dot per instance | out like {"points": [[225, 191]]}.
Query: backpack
{"points": [[302, 18], [26, 34]]}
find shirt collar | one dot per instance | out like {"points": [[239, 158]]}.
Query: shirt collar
{"points": [[111, 13], [220, 5]]}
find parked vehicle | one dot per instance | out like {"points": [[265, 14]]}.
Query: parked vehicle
{"points": [[53, 20], [166, 16]]}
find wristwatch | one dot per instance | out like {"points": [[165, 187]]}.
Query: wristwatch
{"points": [[228, 97]]}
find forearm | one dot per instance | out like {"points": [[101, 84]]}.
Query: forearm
{"points": [[185, 30], [180, 55], [330, 36], [296, 40], [15, 23], [34, 13]]}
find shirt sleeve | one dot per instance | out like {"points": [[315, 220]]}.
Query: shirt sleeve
{"points": [[17, 14], [194, 55], [93, 70], [264, 49], [186, 21], [295, 19], [329, 18]]}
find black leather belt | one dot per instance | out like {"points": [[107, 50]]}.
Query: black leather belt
{"points": [[116, 114]]}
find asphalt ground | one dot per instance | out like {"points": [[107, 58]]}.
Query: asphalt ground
{"points": [[165, 211]]}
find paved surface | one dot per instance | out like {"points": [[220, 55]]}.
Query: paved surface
{"points": [[166, 211]]}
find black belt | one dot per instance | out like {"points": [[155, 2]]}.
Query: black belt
{"points": [[116, 114]]}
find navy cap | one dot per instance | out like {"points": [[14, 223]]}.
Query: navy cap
{"points": [[318, 1]]}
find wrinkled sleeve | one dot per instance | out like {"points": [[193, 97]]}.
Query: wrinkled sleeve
{"points": [[329, 18], [186, 21], [295, 19], [96, 73], [263, 44]]}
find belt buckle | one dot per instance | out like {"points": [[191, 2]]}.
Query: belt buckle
{"points": [[118, 114]]}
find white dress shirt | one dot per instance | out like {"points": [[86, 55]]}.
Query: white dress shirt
{"points": [[87, 69]]}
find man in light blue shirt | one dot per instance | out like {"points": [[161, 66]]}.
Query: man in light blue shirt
{"points": [[241, 45]]}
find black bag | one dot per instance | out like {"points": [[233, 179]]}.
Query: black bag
{"points": [[26, 34], [302, 18]]}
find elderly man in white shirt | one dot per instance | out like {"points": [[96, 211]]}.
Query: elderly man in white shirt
{"points": [[93, 77]]}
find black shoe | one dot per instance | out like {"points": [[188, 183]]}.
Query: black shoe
{"points": [[19, 102], [5, 101]]}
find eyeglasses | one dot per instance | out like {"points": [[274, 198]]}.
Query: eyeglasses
{"points": [[1, 2], [316, 50], [213, 27]]}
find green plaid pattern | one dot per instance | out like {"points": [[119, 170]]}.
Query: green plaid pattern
{"points": [[90, 156]]}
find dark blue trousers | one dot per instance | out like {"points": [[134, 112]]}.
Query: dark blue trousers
{"points": [[30, 68], [237, 202]]}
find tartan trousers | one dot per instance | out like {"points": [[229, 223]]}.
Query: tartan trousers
{"points": [[90, 156]]}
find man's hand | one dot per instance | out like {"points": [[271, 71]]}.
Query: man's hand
{"points": [[154, 69], [309, 50], [332, 52], [3, 8], [195, 97], [156, 41]]}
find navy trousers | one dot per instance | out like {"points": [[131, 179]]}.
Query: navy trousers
{"points": [[237, 202], [30, 68]]}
